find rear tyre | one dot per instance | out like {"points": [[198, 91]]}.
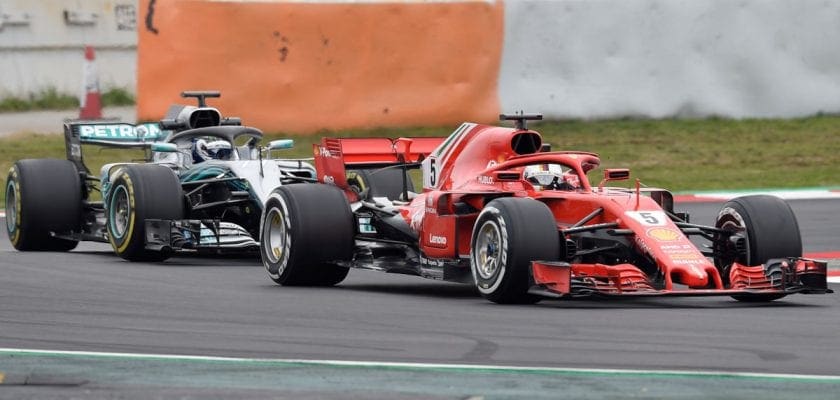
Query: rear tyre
{"points": [[43, 196], [306, 228], [508, 234], [385, 182], [771, 231], [137, 193]]}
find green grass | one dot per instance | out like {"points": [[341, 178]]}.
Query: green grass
{"points": [[117, 97], [47, 99], [712, 154], [680, 155], [51, 99]]}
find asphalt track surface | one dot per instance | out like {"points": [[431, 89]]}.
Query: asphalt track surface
{"points": [[248, 332]]}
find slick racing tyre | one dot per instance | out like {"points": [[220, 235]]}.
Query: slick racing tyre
{"points": [[771, 231], [384, 182], [508, 234], [137, 193], [306, 228], [43, 196]]}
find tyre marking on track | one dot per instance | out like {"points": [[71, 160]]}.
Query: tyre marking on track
{"points": [[428, 366]]}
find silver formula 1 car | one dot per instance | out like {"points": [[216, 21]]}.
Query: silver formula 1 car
{"points": [[202, 187]]}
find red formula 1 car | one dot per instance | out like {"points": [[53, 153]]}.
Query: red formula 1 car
{"points": [[500, 211]]}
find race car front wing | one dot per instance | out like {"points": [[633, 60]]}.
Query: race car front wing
{"points": [[198, 234], [776, 276]]}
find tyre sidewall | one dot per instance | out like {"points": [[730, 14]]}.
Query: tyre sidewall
{"points": [[123, 244], [276, 264], [13, 222], [495, 218]]}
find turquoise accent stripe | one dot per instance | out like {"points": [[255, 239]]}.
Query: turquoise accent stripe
{"points": [[209, 172]]}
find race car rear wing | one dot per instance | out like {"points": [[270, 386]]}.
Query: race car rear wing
{"points": [[108, 134], [333, 155]]}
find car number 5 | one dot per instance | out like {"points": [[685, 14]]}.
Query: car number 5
{"points": [[649, 218]]}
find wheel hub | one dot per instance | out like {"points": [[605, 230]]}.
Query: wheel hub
{"points": [[488, 244], [738, 243], [119, 211], [275, 235], [11, 207]]}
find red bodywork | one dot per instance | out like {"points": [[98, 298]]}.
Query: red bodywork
{"points": [[479, 163]]}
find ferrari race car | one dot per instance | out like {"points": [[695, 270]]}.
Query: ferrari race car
{"points": [[501, 211], [202, 187]]}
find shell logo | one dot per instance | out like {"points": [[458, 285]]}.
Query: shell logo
{"points": [[663, 234]]}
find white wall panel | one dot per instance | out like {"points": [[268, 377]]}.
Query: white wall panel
{"points": [[663, 58], [42, 44]]}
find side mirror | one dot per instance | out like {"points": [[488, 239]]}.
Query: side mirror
{"points": [[614, 174], [281, 144], [164, 147]]}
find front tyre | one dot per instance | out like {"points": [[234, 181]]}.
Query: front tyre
{"points": [[508, 234], [770, 229], [137, 193], [43, 196], [306, 228]]}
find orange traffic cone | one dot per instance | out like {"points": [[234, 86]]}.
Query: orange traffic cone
{"points": [[91, 103]]}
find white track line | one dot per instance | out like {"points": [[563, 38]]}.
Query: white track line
{"points": [[421, 366]]}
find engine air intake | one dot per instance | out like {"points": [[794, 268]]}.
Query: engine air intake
{"points": [[526, 143], [204, 117]]}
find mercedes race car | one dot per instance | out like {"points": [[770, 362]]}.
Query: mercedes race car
{"points": [[499, 210], [202, 187]]}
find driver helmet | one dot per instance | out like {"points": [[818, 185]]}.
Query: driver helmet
{"points": [[552, 176], [203, 150]]}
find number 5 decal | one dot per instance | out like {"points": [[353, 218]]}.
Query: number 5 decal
{"points": [[432, 171], [648, 218]]}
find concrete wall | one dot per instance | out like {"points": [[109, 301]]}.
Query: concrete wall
{"points": [[42, 42]]}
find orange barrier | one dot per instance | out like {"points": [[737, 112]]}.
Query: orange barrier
{"points": [[302, 67]]}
